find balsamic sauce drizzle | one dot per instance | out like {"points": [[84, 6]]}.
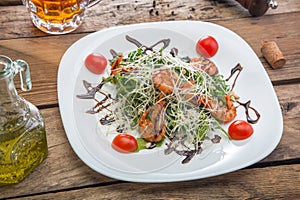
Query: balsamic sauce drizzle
{"points": [[144, 48], [238, 68], [113, 53], [175, 142], [100, 105], [91, 91], [107, 119], [174, 52], [133, 41], [165, 43], [247, 108]]}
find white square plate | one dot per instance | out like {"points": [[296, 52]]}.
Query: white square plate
{"points": [[87, 137]]}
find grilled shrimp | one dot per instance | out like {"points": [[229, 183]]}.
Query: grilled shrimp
{"points": [[165, 80], [205, 65], [152, 123], [224, 114]]}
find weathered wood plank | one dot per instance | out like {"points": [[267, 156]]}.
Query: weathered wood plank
{"points": [[64, 170], [44, 59], [288, 96], [285, 35], [281, 182], [16, 21]]}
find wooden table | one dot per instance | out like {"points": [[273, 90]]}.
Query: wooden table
{"points": [[64, 176]]}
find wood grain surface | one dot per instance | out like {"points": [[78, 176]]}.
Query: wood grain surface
{"points": [[15, 20], [64, 176], [41, 57], [237, 185], [63, 169]]}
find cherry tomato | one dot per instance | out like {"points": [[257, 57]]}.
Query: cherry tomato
{"points": [[240, 130], [96, 63], [124, 143], [207, 46]]}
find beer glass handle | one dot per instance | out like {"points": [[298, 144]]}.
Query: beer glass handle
{"points": [[22, 68], [93, 2]]}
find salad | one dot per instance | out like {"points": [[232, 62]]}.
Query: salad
{"points": [[167, 98]]}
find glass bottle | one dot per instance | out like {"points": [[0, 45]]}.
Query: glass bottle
{"points": [[23, 143]]}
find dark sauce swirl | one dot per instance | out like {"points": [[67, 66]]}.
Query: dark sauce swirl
{"points": [[247, 109], [238, 68], [176, 143], [144, 48], [165, 43]]}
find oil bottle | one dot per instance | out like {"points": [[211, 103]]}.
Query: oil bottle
{"points": [[23, 143]]}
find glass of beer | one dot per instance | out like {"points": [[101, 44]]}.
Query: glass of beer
{"points": [[58, 16]]}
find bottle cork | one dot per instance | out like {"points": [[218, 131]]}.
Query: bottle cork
{"points": [[272, 54]]}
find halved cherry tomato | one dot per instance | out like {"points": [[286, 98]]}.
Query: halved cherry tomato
{"points": [[96, 63], [207, 46], [240, 130], [124, 143]]}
